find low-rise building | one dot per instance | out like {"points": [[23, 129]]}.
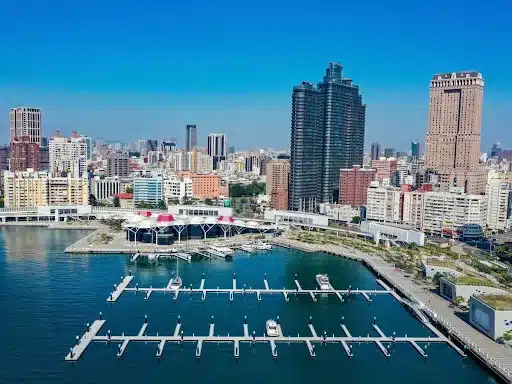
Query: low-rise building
{"points": [[201, 210], [125, 200], [338, 212], [104, 188], [205, 186], [294, 217], [491, 314], [451, 287]]}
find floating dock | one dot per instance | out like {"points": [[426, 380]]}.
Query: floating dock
{"points": [[236, 290], [156, 256], [91, 335]]}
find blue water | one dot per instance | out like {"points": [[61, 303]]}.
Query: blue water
{"points": [[47, 297]]}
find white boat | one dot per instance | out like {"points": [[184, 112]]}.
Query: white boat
{"points": [[151, 256], [224, 250], [247, 248], [272, 329], [264, 246], [323, 282], [176, 283]]}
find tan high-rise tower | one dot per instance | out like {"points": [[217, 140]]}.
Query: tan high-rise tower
{"points": [[453, 138]]}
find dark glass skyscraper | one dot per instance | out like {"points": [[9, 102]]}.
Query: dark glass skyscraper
{"points": [[415, 150], [375, 151], [190, 137], [327, 134]]}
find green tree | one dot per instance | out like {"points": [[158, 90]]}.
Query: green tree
{"points": [[208, 201], [436, 278], [458, 300], [144, 205], [162, 205], [116, 201], [92, 200], [2, 202], [356, 219], [129, 189]]}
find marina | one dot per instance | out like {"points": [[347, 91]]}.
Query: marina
{"points": [[32, 357]]}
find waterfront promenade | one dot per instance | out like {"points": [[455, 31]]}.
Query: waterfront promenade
{"points": [[497, 356]]}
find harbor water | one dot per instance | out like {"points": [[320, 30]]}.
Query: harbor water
{"points": [[47, 297]]}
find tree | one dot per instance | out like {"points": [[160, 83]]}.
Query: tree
{"points": [[458, 300], [145, 205], [92, 200], [436, 278], [161, 205], [2, 202], [356, 219], [129, 189], [208, 201], [116, 201]]}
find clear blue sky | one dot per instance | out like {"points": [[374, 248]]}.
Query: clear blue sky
{"points": [[143, 69]]}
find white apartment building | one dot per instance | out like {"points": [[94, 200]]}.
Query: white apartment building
{"points": [[339, 212], [497, 192], [447, 212], [412, 210], [104, 189], [29, 189], [383, 204], [178, 161], [68, 155], [203, 163], [177, 189]]}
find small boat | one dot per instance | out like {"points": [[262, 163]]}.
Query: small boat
{"points": [[323, 282], [151, 256], [272, 329], [176, 283], [264, 246], [247, 248]]}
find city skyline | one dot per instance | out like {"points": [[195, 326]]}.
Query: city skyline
{"points": [[152, 77]]}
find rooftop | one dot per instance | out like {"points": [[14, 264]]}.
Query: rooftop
{"points": [[469, 280], [498, 302]]}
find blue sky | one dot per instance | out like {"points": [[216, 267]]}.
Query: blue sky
{"points": [[132, 69]]}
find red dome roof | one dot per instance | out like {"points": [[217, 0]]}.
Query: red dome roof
{"points": [[228, 219]]}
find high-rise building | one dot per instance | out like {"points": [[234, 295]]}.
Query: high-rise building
{"points": [[25, 122], [453, 138], [190, 137], [205, 186], [389, 152], [415, 150], [252, 163], [385, 168], [497, 192], [152, 145], [327, 134], [88, 141], [383, 203], [24, 154], [167, 146], [118, 164], [375, 151], [278, 176], [68, 155], [217, 148], [354, 183]]}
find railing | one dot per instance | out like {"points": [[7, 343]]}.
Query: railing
{"points": [[18, 210], [452, 329]]}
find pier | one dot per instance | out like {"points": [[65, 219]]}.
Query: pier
{"points": [[236, 290], [91, 335], [156, 256]]}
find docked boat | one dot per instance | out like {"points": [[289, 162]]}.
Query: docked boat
{"points": [[264, 246], [272, 328], [323, 282], [151, 257], [247, 248], [224, 250], [176, 283]]}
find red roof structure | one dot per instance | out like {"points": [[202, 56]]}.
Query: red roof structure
{"points": [[125, 196], [165, 218], [144, 213], [226, 219]]}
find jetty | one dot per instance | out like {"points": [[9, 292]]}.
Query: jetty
{"points": [[237, 290], [310, 341]]}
